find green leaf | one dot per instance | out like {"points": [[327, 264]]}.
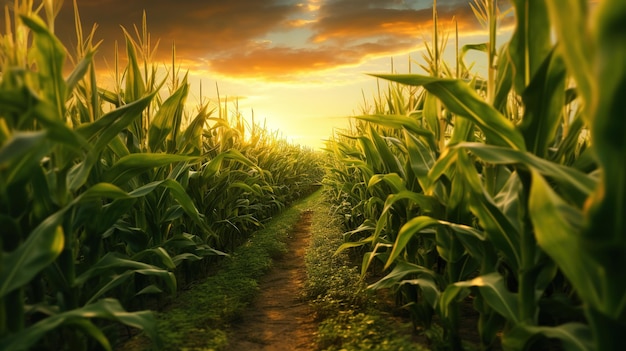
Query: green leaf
{"points": [[21, 154], [557, 229], [407, 231], [135, 87], [104, 130], [575, 41], [462, 101], [79, 71], [421, 158], [530, 43], [49, 54], [400, 121], [431, 113], [106, 308], [502, 156], [573, 336], [608, 205], [41, 248], [429, 288], [504, 79], [495, 292], [390, 162], [498, 228], [168, 119], [544, 99], [452, 293], [133, 165], [399, 272], [213, 166]]}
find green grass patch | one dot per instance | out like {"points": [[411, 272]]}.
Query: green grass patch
{"points": [[352, 317]]}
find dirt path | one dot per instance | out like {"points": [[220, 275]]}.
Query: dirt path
{"points": [[278, 319]]}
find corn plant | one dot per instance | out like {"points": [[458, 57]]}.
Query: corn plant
{"points": [[108, 196], [507, 136]]}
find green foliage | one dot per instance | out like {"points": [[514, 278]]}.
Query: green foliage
{"points": [[352, 318], [501, 199], [108, 198], [198, 318]]}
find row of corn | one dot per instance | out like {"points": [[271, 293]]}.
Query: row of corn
{"points": [[498, 203], [110, 197]]}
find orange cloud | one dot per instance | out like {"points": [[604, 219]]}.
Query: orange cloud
{"points": [[282, 63], [237, 37]]}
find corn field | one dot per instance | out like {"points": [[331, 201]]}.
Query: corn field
{"points": [[503, 195], [496, 202], [110, 198]]}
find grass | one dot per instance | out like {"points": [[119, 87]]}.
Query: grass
{"points": [[198, 317], [351, 316]]}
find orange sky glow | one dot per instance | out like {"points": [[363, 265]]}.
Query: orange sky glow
{"points": [[300, 64]]}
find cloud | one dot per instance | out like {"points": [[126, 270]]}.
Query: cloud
{"points": [[348, 20], [280, 62], [199, 27], [235, 37]]}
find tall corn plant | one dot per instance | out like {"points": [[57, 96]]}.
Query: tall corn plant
{"points": [[532, 128], [102, 208], [45, 196]]}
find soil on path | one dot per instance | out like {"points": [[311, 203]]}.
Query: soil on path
{"points": [[279, 319]]}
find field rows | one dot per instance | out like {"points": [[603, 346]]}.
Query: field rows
{"points": [[503, 194]]}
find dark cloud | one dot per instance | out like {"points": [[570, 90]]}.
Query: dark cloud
{"points": [[198, 27], [229, 37], [347, 20]]}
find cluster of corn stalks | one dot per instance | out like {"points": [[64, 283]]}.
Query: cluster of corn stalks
{"points": [[504, 195], [108, 196]]}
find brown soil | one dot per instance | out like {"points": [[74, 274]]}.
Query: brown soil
{"points": [[279, 319]]}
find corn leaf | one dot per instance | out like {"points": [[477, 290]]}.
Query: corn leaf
{"points": [[106, 129], [502, 156], [573, 336], [575, 40], [557, 229], [49, 54], [132, 165], [167, 120], [106, 308], [492, 287], [461, 100], [544, 99], [399, 121], [401, 270], [530, 43], [421, 159], [40, 249], [406, 233]]}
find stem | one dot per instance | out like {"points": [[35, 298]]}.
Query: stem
{"points": [[608, 333], [491, 45], [527, 275], [14, 310]]}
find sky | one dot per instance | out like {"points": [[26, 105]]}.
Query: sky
{"points": [[301, 65]]}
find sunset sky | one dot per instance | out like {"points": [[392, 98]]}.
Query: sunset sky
{"points": [[300, 64]]}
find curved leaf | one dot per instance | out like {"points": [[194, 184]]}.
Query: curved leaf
{"points": [[106, 308], [408, 230], [132, 165], [573, 336], [461, 100], [496, 294], [41, 248], [502, 155], [399, 272]]}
